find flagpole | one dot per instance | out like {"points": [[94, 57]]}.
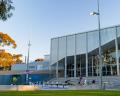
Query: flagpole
{"points": [[27, 74]]}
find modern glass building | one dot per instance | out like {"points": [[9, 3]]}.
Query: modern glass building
{"points": [[78, 54]]}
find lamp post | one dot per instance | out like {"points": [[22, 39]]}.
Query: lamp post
{"points": [[100, 52], [27, 75]]}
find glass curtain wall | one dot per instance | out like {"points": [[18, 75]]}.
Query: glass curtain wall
{"points": [[65, 48], [53, 70], [61, 67], [70, 55], [81, 55], [93, 51], [62, 55], [70, 66], [109, 51], [118, 36], [78, 66], [54, 55], [83, 65]]}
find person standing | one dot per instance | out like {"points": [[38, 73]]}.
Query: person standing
{"points": [[80, 79]]}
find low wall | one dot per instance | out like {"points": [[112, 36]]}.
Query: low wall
{"points": [[19, 88]]}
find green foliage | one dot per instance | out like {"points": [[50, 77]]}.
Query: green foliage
{"points": [[5, 9]]}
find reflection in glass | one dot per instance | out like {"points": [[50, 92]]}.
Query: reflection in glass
{"points": [[62, 47], [81, 43], [61, 67], [108, 52], [118, 38], [54, 50], [93, 52], [53, 70], [70, 66], [70, 45]]}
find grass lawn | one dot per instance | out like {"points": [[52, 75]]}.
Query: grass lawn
{"points": [[63, 93]]}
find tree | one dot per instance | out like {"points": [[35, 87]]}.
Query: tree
{"points": [[17, 58], [6, 40], [5, 13], [7, 59], [5, 9]]}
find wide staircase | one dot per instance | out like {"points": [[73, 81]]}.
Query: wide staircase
{"points": [[109, 82]]}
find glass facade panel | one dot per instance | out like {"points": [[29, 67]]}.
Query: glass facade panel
{"points": [[93, 40], [54, 50], [118, 37], [81, 43], [70, 66], [109, 52], [78, 66], [62, 47], [93, 51], [118, 31], [53, 70], [70, 45], [61, 67], [83, 65], [107, 35]]}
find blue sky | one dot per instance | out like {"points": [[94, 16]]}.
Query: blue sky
{"points": [[41, 20]]}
